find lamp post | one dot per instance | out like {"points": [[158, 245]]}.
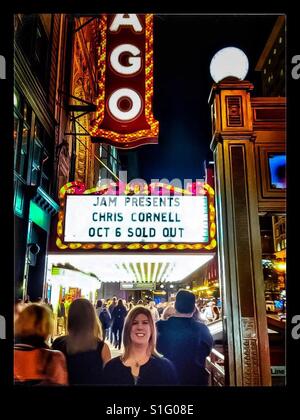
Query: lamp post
{"points": [[247, 358]]}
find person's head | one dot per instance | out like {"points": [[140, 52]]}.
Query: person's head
{"points": [[185, 302], [83, 320], [34, 320], [114, 300], [168, 312], [18, 307], [99, 303], [18, 301], [130, 305], [120, 302], [139, 330]]}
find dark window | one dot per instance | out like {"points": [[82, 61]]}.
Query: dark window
{"points": [[40, 161], [36, 162], [24, 29], [16, 134], [22, 120], [40, 52], [23, 150], [31, 37], [45, 171]]}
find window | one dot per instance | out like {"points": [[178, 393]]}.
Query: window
{"points": [[16, 131], [45, 171], [36, 153], [36, 162], [40, 160], [23, 32], [23, 151], [17, 100], [31, 37], [22, 120], [113, 159]]}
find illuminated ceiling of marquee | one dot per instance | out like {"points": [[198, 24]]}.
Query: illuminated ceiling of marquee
{"points": [[134, 268]]}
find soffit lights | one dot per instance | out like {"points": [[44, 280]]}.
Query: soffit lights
{"points": [[134, 268]]}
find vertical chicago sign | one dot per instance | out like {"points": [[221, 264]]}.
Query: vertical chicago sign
{"points": [[124, 115]]}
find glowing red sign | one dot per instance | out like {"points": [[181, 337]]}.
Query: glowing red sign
{"points": [[124, 115]]}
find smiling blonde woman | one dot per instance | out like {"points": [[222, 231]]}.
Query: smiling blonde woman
{"points": [[140, 363]]}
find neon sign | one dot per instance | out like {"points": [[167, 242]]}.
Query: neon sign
{"points": [[124, 115]]}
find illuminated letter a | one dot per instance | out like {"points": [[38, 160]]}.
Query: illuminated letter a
{"points": [[126, 20]]}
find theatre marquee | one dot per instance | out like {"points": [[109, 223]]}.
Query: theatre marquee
{"points": [[98, 219]]}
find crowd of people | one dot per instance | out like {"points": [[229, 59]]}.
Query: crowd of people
{"points": [[164, 345]]}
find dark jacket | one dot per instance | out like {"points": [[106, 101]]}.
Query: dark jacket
{"points": [[105, 318], [84, 368], [157, 371], [61, 312], [187, 343], [118, 316]]}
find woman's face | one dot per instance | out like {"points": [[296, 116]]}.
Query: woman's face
{"points": [[140, 330]]}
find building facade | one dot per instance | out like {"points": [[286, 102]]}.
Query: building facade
{"points": [[54, 94], [34, 142]]}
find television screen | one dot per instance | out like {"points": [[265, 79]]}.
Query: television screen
{"points": [[279, 304], [277, 167]]}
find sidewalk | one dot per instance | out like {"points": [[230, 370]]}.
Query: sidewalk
{"points": [[114, 352]]}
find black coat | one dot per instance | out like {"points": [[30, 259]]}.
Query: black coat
{"points": [[187, 343], [84, 368], [118, 316]]}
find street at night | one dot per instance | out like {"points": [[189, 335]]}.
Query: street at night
{"points": [[150, 200]]}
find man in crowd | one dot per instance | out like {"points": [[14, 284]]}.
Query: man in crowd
{"points": [[185, 341], [110, 309]]}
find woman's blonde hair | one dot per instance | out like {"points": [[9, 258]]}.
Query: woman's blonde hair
{"points": [[83, 319], [34, 320], [132, 314]]}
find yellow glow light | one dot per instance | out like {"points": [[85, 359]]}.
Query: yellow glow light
{"points": [[280, 266]]}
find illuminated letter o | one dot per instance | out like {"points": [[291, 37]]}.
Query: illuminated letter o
{"points": [[135, 109]]}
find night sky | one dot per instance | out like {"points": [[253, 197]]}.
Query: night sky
{"points": [[183, 48]]}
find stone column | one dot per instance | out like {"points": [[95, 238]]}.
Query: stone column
{"points": [[245, 324]]}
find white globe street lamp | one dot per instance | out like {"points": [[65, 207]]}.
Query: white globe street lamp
{"points": [[229, 62]]}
